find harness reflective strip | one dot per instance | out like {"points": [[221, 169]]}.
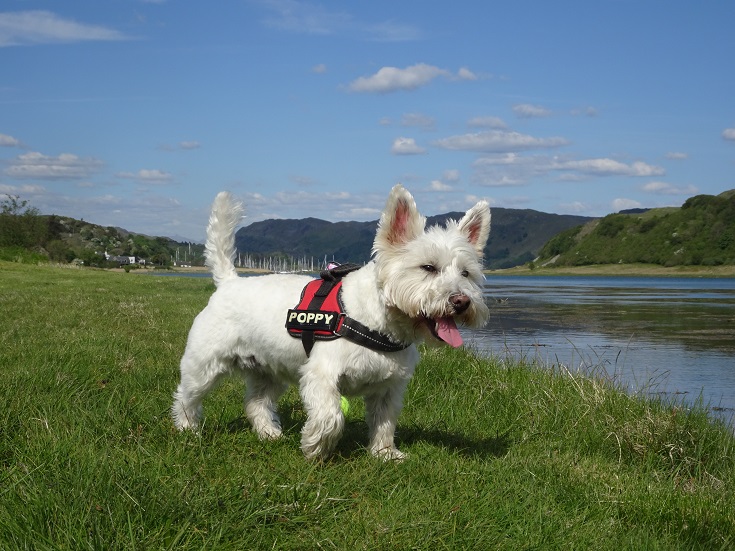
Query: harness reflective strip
{"points": [[360, 334]]}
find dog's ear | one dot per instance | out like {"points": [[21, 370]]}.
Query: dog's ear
{"points": [[400, 221], [476, 225]]}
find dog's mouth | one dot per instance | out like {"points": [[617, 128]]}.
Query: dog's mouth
{"points": [[445, 330]]}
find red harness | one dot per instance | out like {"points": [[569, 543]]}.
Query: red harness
{"points": [[319, 311], [320, 315]]}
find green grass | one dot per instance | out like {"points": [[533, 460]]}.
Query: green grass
{"points": [[502, 456]]}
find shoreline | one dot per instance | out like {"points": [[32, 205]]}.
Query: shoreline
{"points": [[619, 270], [187, 270], [601, 270]]}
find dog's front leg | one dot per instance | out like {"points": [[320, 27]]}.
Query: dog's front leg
{"points": [[325, 420], [381, 415]]}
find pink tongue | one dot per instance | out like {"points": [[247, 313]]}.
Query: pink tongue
{"points": [[448, 332]]}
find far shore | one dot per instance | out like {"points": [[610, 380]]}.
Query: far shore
{"points": [[185, 270], [627, 270]]}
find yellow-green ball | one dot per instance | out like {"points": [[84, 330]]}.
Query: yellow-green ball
{"points": [[344, 405]]}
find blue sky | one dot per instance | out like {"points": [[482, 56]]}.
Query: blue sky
{"points": [[135, 113]]}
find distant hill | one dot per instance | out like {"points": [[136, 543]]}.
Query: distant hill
{"points": [[516, 236], [700, 232], [27, 236]]}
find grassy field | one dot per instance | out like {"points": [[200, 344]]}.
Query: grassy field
{"points": [[501, 456]]}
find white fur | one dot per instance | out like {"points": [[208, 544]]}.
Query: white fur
{"points": [[242, 328]]}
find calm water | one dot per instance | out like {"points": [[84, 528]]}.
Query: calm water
{"points": [[671, 336], [653, 335]]}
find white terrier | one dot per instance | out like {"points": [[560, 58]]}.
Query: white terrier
{"points": [[417, 286]]}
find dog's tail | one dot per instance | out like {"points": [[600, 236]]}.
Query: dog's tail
{"points": [[220, 251]]}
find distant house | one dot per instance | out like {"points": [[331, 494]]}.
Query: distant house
{"points": [[123, 260]]}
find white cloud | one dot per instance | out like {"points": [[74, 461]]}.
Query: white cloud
{"points": [[312, 18], [44, 27], [438, 185], [139, 212], [609, 167], [465, 74], [624, 204], [575, 206], [332, 206], [149, 176], [451, 175], [301, 180], [499, 180], [364, 213], [417, 120], [526, 110], [392, 79], [64, 166], [498, 141], [508, 159], [9, 141], [22, 191], [319, 69], [338, 195], [663, 188], [305, 17], [513, 169], [677, 156], [487, 122], [406, 146], [509, 169], [728, 133]]}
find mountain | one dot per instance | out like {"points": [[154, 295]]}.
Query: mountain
{"points": [[700, 232], [516, 236]]}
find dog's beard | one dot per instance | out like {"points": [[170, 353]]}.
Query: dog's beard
{"points": [[425, 299]]}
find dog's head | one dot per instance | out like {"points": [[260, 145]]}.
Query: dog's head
{"points": [[433, 276]]}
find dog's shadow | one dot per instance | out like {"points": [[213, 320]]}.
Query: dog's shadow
{"points": [[355, 437], [464, 445]]}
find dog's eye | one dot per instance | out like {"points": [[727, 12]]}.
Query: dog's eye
{"points": [[465, 273], [429, 268]]}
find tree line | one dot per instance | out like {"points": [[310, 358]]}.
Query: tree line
{"points": [[28, 236]]}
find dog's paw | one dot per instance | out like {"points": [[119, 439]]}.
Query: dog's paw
{"points": [[185, 419], [315, 454], [269, 432], [389, 454]]}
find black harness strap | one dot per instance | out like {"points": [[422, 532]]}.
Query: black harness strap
{"points": [[338, 272], [360, 334]]}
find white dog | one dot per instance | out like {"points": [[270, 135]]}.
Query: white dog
{"points": [[417, 286]]}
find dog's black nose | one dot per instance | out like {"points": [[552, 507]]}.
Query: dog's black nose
{"points": [[460, 303]]}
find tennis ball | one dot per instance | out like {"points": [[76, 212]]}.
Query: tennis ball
{"points": [[344, 405]]}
